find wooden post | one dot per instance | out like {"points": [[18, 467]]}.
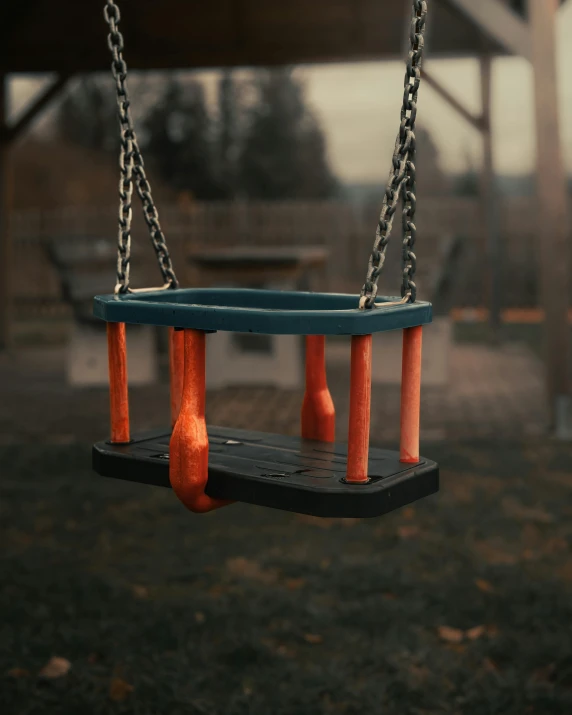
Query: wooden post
{"points": [[318, 418], [189, 446], [176, 370], [410, 395], [5, 198], [8, 135], [491, 238], [552, 212], [118, 388], [360, 409]]}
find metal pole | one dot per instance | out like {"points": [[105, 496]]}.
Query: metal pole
{"points": [[491, 240], [552, 213], [5, 247]]}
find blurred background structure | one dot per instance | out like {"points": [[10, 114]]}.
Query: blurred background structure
{"points": [[246, 155], [267, 129]]}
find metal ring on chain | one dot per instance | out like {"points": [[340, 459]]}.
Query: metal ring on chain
{"points": [[402, 177], [132, 169]]}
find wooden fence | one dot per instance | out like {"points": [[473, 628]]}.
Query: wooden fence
{"points": [[346, 229]]}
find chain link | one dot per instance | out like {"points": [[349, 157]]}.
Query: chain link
{"points": [[402, 176], [132, 169]]}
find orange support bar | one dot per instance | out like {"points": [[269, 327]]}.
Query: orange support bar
{"points": [[118, 390], [318, 412], [360, 407], [176, 370], [410, 395], [189, 450]]}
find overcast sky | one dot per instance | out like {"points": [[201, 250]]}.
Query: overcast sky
{"points": [[359, 108]]}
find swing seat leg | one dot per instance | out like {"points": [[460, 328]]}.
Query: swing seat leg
{"points": [[189, 447]]}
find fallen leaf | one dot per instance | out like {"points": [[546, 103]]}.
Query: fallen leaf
{"points": [[119, 690], [565, 572], [555, 545], [408, 532], [92, 658], [200, 617], [217, 590], [450, 635], [325, 563], [246, 568], [545, 675], [475, 633], [350, 521], [140, 591], [389, 596], [484, 586], [459, 648], [278, 648], [492, 631], [313, 638], [516, 510], [408, 513], [495, 554], [490, 666], [321, 523], [18, 673], [55, 668], [419, 672], [295, 584]]}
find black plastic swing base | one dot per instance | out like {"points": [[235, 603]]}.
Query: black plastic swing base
{"points": [[279, 472]]}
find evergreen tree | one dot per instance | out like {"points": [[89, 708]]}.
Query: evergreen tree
{"points": [[179, 140], [228, 133], [87, 116], [283, 153]]}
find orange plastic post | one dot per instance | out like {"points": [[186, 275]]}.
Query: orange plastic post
{"points": [[189, 449], [118, 390], [360, 407], [410, 394], [176, 370], [318, 412]]}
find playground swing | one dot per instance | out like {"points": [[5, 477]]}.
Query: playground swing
{"points": [[311, 474]]}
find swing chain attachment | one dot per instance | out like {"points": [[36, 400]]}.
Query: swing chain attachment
{"points": [[402, 177], [132, 167]]}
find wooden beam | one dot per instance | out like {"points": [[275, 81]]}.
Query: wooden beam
{"points": [[38, 104], [498, 22], [13, 16], [552, 211], [491, 237], [5, 248], [474, 120]]}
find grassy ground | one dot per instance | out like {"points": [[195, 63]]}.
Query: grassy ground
{"points": [[460, 604]]}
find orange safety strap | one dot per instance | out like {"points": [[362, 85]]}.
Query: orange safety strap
{"points": [[118, 389], [176, 370], [318, 412], [360, 407], [189, 450], [410, 395]]}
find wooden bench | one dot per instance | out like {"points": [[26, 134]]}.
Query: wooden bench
{"points": [[85, 268]]}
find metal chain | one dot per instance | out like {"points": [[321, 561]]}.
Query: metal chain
{"points": [[132, 169], [402, 176]]}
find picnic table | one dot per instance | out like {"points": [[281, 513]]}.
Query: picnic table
{"points": [[258, 266], [235, 359]]}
